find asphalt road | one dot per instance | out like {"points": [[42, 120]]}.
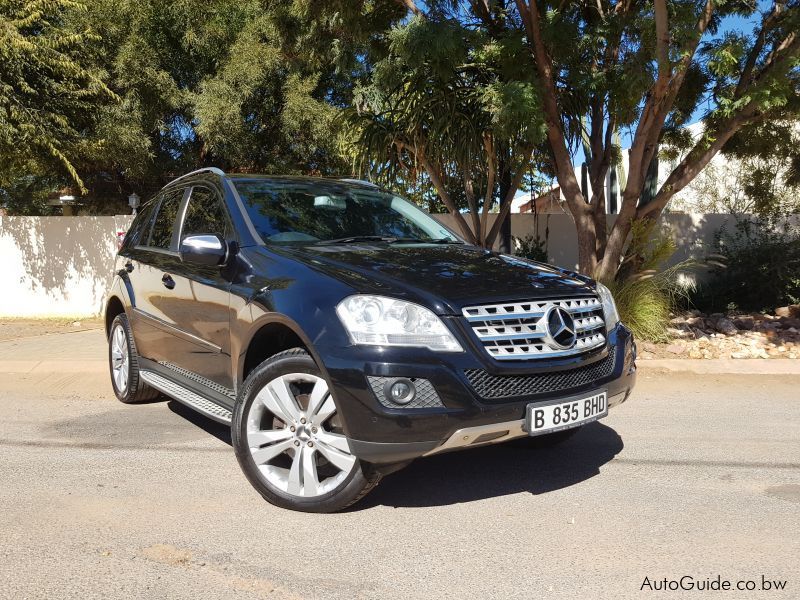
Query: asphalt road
{"points": [[696, 475]]}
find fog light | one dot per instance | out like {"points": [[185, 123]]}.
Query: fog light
{"points": [[400, 391]]}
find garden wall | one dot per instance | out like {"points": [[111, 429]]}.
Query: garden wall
{"points": [[62, 266]]}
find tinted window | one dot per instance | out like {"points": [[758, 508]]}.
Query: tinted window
{"points": [[140, 228], [309, 211], [161, 236], [204, 214]]}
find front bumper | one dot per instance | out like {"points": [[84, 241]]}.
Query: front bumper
{"points": [[464, 417]]}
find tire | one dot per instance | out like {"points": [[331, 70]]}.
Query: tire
{"points": [[287, 434], [123, 363], [548, 440]]}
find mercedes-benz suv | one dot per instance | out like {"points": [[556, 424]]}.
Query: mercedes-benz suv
{"points": [[342, 332]]}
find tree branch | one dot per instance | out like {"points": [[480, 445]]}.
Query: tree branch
{"points": [[409, 4]]}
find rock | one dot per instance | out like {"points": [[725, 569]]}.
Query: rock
{"points": [[648, 346], [695, 321], [725, 326], [745, 322], [740, 355], [695, 354], [699, 333], [677, 348], [677, 320], [678, 333], [790, 322], [694, 312], [793, 310]]}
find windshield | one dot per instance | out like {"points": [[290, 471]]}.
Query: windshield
{"points": [[313, 212]]}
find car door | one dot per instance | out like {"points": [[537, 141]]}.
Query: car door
{"points": [[199, 306], [151, 257]]}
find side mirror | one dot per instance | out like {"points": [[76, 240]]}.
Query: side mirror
{"points": [[208, 250]]}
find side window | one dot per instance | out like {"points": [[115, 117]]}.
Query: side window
{"points": [[140, 228], [161, 235], [205, 214]]}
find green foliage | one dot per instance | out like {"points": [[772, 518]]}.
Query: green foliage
{"points": [[646, 297], [46, 84], [451, 101], [531, 247], [758, 267]]}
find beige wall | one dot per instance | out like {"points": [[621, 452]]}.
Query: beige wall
{"points": [[61, 266], [694, 233], [56, 266]]}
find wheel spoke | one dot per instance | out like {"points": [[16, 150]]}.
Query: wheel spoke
{"points": [[295, 473], [310, 476], [259, 438], [318, 396], [344, 461], [334, 439], [324, 412], [278, 398], [267, 453]]}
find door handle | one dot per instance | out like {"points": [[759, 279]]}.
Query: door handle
{"points": [[129, 266], [168, 281]]}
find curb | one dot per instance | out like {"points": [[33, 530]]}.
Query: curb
{"points": [[723, 366]]}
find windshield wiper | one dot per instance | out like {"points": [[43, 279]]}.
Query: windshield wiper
{"points": [[354, 239], [411, 240]]}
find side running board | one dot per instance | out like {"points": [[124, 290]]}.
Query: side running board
{"points": [[202, 405]]}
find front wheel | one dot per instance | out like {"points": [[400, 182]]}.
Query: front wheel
{"points": [[289, 439]]}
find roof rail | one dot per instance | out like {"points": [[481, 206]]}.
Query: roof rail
{"points": [[361, 181], [213, 170]]}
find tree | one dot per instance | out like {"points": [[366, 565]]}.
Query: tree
{"points": [[47, 86], [604, 66], [274, 103], [451, 103]]}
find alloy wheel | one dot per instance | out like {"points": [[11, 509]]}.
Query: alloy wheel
{"points": [[120, 358], [295, 437]]}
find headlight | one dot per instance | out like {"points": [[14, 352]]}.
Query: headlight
{"points": [[380, 321], [610, 313]]}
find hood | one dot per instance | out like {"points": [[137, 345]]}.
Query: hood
{"points": [[447, 277], [444, 277]]}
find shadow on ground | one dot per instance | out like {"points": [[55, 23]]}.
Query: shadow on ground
{"points": [[218, 430], [477, 474], [499, 470]]}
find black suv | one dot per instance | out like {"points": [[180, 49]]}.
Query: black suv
{"points": [[342, 332]]}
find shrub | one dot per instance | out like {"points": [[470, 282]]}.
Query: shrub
{"points": [[645, 294], [758, 270], [531, 247]]}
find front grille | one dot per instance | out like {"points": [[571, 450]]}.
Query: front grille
{"points": [[493, 387], [519, 330]]}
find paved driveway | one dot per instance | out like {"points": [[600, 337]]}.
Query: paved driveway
{"points": [[697, 475]]}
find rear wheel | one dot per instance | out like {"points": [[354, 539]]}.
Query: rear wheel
{"points": [[123, 362], [289, 438]]}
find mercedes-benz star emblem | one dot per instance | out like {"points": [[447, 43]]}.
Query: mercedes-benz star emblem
{"points": [[560, 328]]}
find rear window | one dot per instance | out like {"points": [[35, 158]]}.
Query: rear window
{"points": [[164, 224]]}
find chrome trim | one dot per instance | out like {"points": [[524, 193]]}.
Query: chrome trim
{"points": [[518, 330], [214, 170], [467, 436]]}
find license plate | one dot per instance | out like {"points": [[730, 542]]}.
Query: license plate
{"points": [[564, 414]]}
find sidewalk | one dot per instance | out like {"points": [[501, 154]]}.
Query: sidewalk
{"points": [[86, 352]]}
